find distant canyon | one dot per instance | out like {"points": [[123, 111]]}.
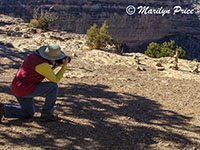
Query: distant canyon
{"points": [[136, 30]]}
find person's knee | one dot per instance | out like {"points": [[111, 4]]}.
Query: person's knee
{"points": [[55, 87]]}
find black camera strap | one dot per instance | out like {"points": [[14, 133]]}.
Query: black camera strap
{"points": [[37, 52]]}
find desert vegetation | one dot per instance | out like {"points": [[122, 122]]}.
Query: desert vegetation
{"points": [[99, 38], [166, 49], [43, 18]]}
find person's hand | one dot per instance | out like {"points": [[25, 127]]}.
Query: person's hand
{"points": [[65, 61]]}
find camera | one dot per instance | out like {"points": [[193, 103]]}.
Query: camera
{"points": [[60, 61]]}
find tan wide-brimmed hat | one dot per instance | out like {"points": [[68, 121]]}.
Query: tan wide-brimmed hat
{"points": [[51, 52]]}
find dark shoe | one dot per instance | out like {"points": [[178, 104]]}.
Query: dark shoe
{"points": [[1, 111], [47, 118]]}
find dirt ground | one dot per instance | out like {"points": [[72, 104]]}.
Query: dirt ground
{"points": [[104, 103]]}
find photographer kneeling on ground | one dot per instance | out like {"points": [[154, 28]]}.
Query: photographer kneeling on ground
{"points": [[27, 83]]}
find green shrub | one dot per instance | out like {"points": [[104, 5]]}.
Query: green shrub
{"points": [[98, 38], [195, 60], [43, 23], [118, 45], [34, 23], [42, 19], [166, 49], [153, 50], [92, 37]]}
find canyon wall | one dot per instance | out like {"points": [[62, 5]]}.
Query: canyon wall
{"points": [[136, 31]]}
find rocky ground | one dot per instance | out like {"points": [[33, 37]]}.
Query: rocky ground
{"points": [[106, 101]]}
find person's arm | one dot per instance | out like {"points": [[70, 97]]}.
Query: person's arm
{"points": [[46, 70]]}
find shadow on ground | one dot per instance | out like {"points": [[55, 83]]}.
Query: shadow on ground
{"points": [[95, 118], [14, 57]]}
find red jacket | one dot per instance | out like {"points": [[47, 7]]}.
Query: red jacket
{"points": [[27, 78]]}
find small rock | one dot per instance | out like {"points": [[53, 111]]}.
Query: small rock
{"points": [[33, 30], [140, 68], [196, 69], [43, 35], [10, 33], [57, 38], [17, 28], [173, 67], [160, 68], [67, 38], [26, 36], [129, 79], [137, 61], [19, 34], [39, 31], [135, 57], [158, 64], [77, 46], [74, 55]]}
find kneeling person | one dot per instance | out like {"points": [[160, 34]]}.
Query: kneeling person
{"points": [[28, 83]]}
